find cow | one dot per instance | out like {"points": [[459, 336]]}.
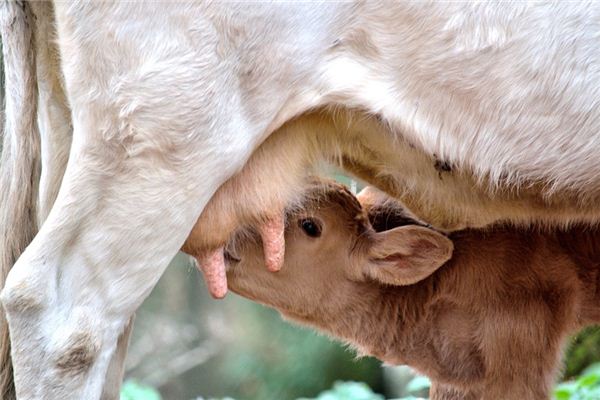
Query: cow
{"points": [[123, 119], [485, 313]]}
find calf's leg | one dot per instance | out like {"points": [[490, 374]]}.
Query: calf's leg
{"points": [[522, 348], [440, 391]]}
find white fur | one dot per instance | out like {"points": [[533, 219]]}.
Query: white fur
{"points": [[169, 101]]}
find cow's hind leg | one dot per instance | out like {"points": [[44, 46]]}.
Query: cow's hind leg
{"points": [[113, 229], [160, 121]]}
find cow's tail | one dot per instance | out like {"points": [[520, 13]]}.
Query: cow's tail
{"points": [[20, 157]]}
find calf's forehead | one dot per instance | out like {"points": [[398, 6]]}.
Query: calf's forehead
{"points": [[335, 201]]}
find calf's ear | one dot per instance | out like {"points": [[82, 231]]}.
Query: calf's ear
{"points": [[406, 255]]}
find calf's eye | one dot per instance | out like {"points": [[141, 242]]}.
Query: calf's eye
{"points": [[310, 227]]}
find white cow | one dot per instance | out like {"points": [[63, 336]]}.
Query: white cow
{"points": [[167, 102]]}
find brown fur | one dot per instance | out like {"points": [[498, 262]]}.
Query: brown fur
{"points": [[489, 324]]}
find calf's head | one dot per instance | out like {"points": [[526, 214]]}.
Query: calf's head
{"points": [[332, 253]]}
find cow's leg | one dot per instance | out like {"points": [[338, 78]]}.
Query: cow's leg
{"points": [[145, 160], [166, 105], [113, 229]]}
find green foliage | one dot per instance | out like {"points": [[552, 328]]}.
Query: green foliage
{"points": [[360, 391], [583, 351], [133, 390], [348, 391], [586, 387], [214, 398], [418, 384]]}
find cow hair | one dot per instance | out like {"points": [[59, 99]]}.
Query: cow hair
{"points": [[20, 158]]}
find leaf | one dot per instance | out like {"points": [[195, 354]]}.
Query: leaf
{"points": [[349, 391], [592, 369], [588, 380], [565, 390], [132, 390], [418, 383]]}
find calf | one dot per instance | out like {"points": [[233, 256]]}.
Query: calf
{"points": [[484, 314]]}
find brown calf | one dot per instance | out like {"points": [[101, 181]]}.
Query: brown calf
{"points": [[489, 323]]}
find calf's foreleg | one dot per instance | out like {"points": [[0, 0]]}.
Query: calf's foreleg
{"points": [[440, 391]]}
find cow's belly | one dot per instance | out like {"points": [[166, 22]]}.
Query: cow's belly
{"points": [[510, 107], [444, 194]]}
